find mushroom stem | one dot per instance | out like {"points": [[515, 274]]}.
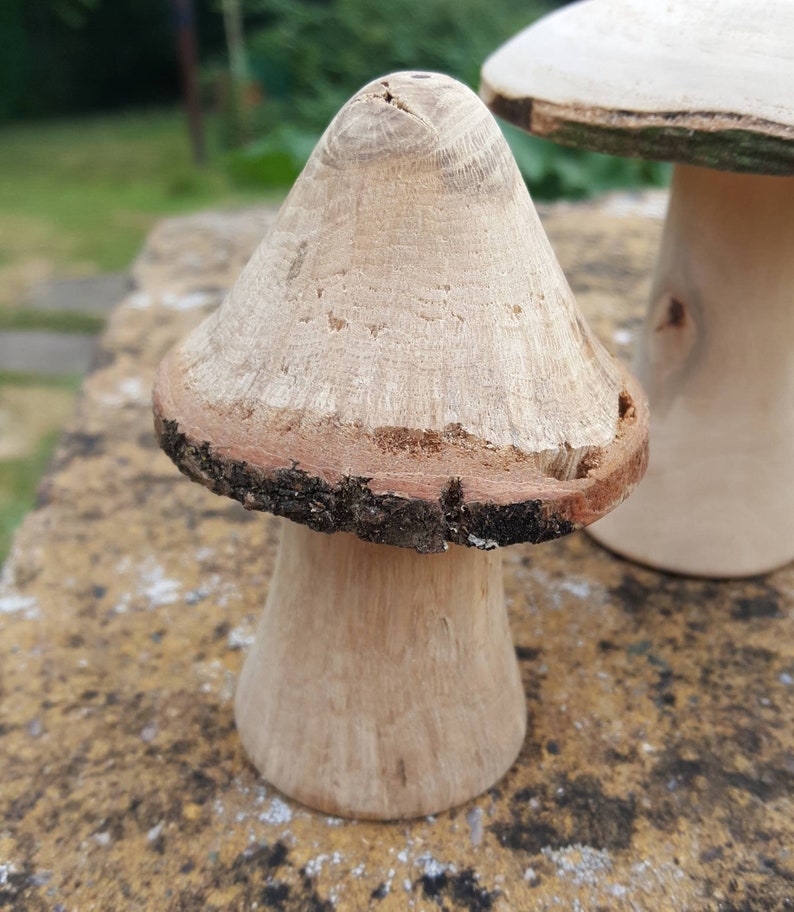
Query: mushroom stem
{"points": [[715, 360], [381, 683]]}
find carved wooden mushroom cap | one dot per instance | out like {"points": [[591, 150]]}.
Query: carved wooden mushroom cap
{"points": [[402, 357], [704, 82]]}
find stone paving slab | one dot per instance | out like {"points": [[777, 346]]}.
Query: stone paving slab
{"points": [[96, 295], [41, 352], [658, 770]]}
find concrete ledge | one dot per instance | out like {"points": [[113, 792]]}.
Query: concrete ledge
{"points": [[657, 775]]}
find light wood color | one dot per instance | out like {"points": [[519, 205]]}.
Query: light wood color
{"points": [[707, 82], [716, 360], [382, 683], [405, 320], [402, 358]]}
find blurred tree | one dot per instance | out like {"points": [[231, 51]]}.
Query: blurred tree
{"points": [[187, 53], [239, 125], [14, 55], [71, 56], [74, 12]]}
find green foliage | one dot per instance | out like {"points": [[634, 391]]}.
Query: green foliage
{"points": [[553, 171], [274, 161], [19, 479], [18, 318], [311, 56], [27, 379]]}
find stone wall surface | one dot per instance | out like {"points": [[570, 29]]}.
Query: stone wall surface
{"points": [[657, 774]]}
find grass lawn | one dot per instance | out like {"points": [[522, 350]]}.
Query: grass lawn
{"points": [[19, 479], [78, 197], [35, 408]]}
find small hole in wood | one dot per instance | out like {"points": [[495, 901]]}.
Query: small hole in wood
{"points": [[675, 315], [625, 407]]}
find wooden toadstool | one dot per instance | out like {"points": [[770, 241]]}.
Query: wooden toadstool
{"points": [[401, 363], [708, 85]]}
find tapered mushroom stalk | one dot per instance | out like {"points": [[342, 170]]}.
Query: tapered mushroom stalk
{"points": [[390, 678], [402, 364], [706, 84], [716, 359]]}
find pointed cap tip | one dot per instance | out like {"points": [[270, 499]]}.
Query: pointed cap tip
{"points": [[404, 114]]}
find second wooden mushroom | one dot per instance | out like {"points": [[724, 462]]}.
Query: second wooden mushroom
{"points": [[706, 84], [402, 364]]}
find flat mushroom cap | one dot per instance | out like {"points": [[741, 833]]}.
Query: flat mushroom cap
{"points": [[402, 357], [704, 82]]}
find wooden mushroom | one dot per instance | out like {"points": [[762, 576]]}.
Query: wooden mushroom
{"points": [[706, 84], [401, 363]]}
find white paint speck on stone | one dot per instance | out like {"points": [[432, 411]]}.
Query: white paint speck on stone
{"points": [[189, 301], [580, 588], [580, 864], [139, 301], [27, 605], [474, 820], [157, 587], [277, 813], [240, 637], [430, 867], [133, 389], [315, 865]]}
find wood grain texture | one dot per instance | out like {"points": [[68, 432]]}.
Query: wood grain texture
{"points": [[381, 684], [405, 323], [716, 360], [707, 83]]}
